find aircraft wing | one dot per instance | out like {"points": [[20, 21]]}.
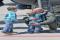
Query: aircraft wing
{"points": [[28, 2]]}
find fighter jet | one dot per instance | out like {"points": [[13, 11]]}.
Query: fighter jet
{"points": [[25, 3]]}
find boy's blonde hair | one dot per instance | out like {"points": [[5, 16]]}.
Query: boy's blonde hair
{"points": [[11, 8]]}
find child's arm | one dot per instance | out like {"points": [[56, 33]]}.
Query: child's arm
{"points": [[15, 17], [6, 16], [50, 18]]}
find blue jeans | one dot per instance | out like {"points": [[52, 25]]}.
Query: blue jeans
{"points": [[36, 29], [8, 26]]}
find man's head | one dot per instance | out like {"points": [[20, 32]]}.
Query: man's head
{"points": [[13, 8], [37, 10]]}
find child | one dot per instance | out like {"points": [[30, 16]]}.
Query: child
{"points": [[10, 18], [35, 18]]}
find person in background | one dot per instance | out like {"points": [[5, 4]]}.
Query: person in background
{"points": [[10, 18]]}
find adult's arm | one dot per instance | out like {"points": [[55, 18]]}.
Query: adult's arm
{"points": [[50, 19]]}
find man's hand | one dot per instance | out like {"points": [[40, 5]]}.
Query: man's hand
{"points": [[34, 18], [35, 24]]}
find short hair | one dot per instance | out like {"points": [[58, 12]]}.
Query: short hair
{"points": [[37, 10], [11, 8]]}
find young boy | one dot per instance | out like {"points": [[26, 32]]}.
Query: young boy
{"points": [[10, 18], [35, 18]]}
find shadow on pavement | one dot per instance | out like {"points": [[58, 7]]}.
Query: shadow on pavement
{"points": [[45, 31]]}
